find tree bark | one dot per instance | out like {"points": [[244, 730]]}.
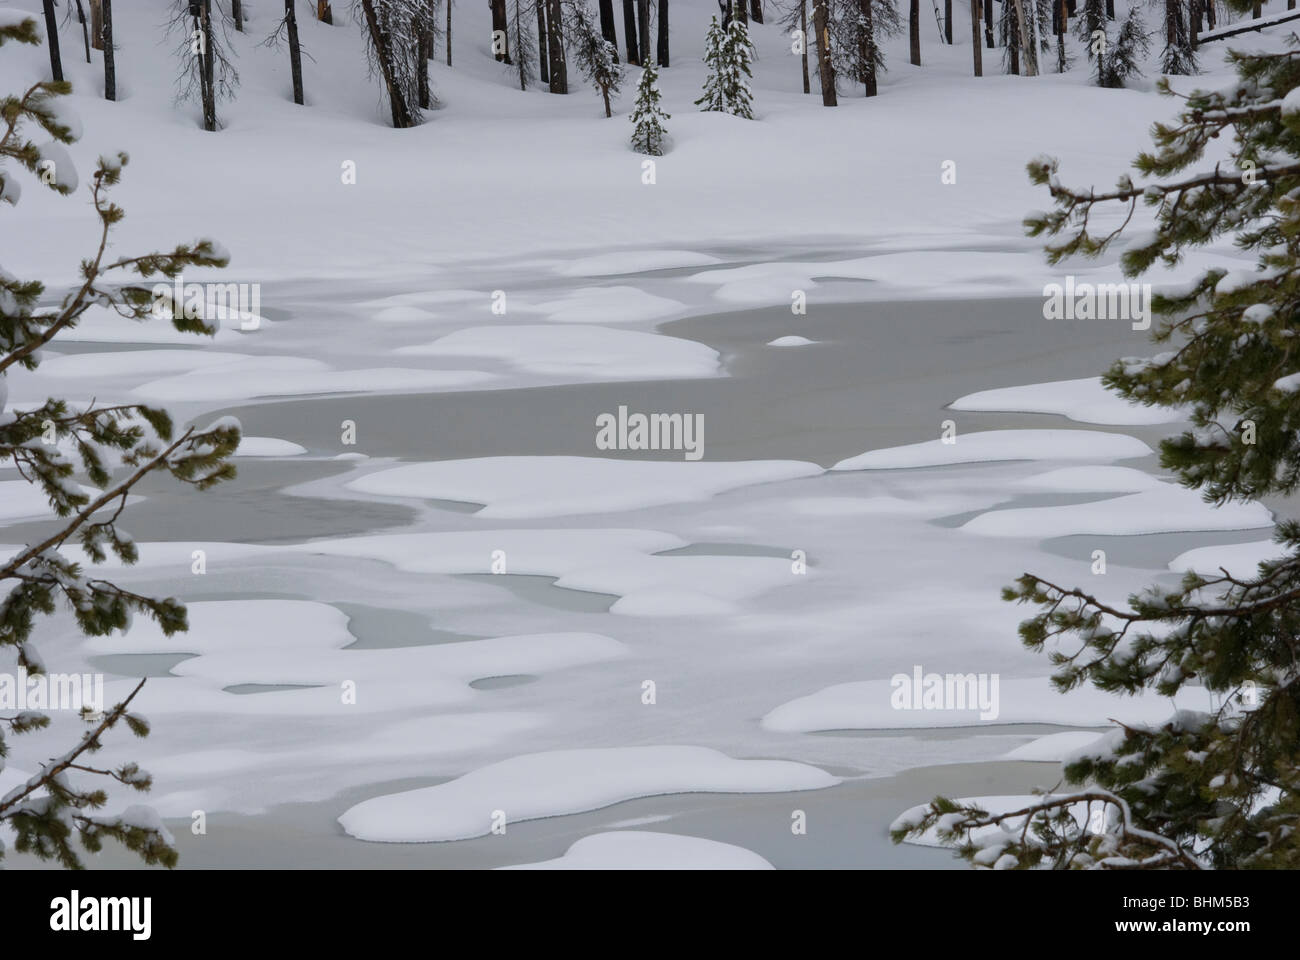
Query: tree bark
{"points": [[825, 69], [500, 23], [803, 29], [237, 14], [448, 2], [85, 29], [324, 13], [988, 24], [947, 22], [396, 101], [207, 70], [869, 81], [756, 11], [52, 32], [663, 33], [608, 29], [543, 58], [96, 24], [423, 51], [555, 44], [110, 62], [295, 50], [914, 32], [1110, 9], [1027, 52], [741, 9], [1258, 11], [630, 32], [643, 29], [978, 52]]}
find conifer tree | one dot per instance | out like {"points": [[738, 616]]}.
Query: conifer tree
{"points": [[648, 134], [596, 57], [1217, 787], [521, 36], [1178, 55], [56, 446], [730, 56]]}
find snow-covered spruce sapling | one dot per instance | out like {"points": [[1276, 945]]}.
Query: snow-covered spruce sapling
{"points": [[729, 54], [1217, 787], [55, 447], [1179, 53], [648, 134], [596, 57]]}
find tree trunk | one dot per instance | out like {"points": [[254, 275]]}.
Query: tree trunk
{"points": [[1026, 45], [396, 101], [324, 13], [52, 32], [914, 31], [1110, 9], [448, 2], [756, 11], [207, 70], [663, 33], [803, 29], [1209, 14], [85, 29], [237, 14], [977, 51], [423, 50], [947, 22], [97, 24], [609, 29], [555, 44], [1258, 11], [868, 81], [643, 30], [110, 62], [825, 68], [741, 9], [988, 24], [630, 32], [500, 25], [295, 50], [543, 59]]}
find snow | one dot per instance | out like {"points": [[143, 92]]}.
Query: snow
{"points": [[512, 488], [560, 782], [1084, 400], [583, 352], [648, 850], [1239, 559], [1055, 747], [1001, 445], [866, 705], [621, 304], [634, 261], [268, 447], [790, 341]]}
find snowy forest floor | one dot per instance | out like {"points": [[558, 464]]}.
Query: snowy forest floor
{"points": [[372, 563]]}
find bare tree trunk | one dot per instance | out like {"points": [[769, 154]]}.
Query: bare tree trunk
{"points": [[630, 32], [295, 50], [663, 33], [96, 24], [978, 52], [741, 8], [52, 32], [207, 70], [1026, 45], [608, 28], [1258, 11], [947, 22], [324, 13], [825, 68], [396, 101], [543, 58], [643, 29], [500, 25], [555, 43], [423, 50], [237, 14], [988, 24], [803, 30], [865, 53], [756, 11], [85, 30], [914, 31], [448, 2], [1110, 9], [110, 61]]}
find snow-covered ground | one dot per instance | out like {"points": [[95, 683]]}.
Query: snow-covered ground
{"points": [[475, 615]]}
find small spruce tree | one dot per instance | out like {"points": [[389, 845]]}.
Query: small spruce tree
{"points": [[714, 97], [730, 55], [648, 134], [596, 57]]}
